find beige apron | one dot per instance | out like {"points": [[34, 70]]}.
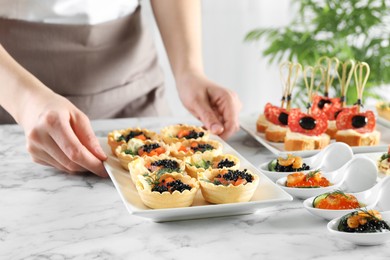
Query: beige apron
{"points": [[108, 70]]}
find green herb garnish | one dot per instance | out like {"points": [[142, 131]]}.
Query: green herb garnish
{"points": [[131, 152], [203, 164], [272, 165], [131, 135], [335, 193], [168, 170], [311, 174], [385, 156]]}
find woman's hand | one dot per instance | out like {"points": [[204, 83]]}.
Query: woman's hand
{"points": [[60, 135], [217, 107], [57, 133]]}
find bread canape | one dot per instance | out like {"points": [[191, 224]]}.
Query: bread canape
{"points": [[274, 120], [307, 130], [118, 137], [206, 161], [228, 186], [169, 190], [136, 148], [182, 132], [358, 129], [155, 164], [188, 148], [329, 106]]}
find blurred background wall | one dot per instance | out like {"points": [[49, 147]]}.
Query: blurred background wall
{"points": [[228, 60]]}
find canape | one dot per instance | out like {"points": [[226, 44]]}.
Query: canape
{"points": [[228, 186]]}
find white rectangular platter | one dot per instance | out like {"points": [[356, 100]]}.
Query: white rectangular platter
{"points": [[267, 194], [248, 124]]}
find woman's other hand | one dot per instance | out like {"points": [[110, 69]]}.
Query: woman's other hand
{"points": [[217, 107]]}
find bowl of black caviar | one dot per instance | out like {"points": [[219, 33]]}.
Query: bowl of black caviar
{"points": [[362, 227], [333, 157], [284, 165]]}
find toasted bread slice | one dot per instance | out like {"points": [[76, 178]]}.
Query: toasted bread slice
{"points": [[353, 138], [298, 142]]}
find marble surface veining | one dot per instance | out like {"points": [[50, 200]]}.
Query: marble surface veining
{"points": [[46, 214]]}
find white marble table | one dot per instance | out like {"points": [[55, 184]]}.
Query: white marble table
{"points": [[46, 214]]}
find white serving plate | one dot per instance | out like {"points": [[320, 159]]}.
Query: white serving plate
{"points": [[248, 124], [267, 193]]}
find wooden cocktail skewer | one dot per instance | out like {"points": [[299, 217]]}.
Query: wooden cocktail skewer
{"points": [[345, 79], [331, 67], [309, 86], [293, 70], [283, 79], [361, 78]]}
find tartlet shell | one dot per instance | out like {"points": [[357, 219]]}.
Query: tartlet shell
{"points": [[169, 133], [174, 149], [137, 166], [193, 171], [115, 134], [125, 159], [383, 111], [157, 200], [220, 194]]}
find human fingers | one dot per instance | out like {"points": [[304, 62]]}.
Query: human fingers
{"points": [[44, 150], [230, 114], [226, 105], [46, 160], [63, 134], [83, 130], [205, 113]]}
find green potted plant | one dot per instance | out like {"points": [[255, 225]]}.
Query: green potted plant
{"points": [[352, 29]]}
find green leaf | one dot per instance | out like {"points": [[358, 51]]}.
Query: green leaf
{"points": [[345, 29]]}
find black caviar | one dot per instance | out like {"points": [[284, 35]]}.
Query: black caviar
{"points": [[280, 168], [202, 148], [166, 163], [149, 147], [233, 175], [193, 135], [160, 188], [171, 186], [131, 135], [372, 225], [225, 163]]}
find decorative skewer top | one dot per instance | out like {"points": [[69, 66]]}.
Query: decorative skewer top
{"points": [[348, 68], [310, 72], [330, 65], [289, 80], [361, 77]]}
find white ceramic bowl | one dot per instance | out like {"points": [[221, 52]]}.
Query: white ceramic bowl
{"points": [[329, 159], [377, 196], [366, 239], [358, 174]]}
